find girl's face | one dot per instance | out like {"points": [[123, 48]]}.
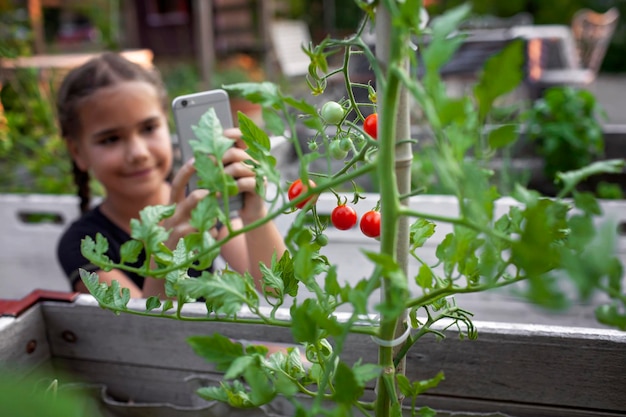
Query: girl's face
{"points": [[124, 141]]}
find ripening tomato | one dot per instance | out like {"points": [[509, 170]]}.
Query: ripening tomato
{"points": [[370, 125], [343, 217], [370, 223], [297, 188]]}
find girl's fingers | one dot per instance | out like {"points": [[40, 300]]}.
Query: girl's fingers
{"points": [[234, 155], [235, 134], [180, 181]]}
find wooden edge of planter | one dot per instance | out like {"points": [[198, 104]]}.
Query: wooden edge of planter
{"points": [[14, 308], [527, 366]]}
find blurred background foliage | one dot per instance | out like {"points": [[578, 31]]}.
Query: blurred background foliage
{"points": [[33, 156]]}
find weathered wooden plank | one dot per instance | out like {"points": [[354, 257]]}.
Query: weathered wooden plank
{"points": [[23, 341], [533, 364], [84, 331], [143, 387], [530, 365]]}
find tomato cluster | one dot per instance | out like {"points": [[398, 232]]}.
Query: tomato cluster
{"points": [[343, 216]]}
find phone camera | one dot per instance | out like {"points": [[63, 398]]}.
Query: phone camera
{"points": [[183, 103]]}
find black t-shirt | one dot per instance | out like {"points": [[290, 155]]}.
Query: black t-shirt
{"points": [[90, 224]]}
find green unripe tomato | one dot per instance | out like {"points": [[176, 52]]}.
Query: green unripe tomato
{"points": [[345, 144], [335, 150], [321, 239], [332, 113], [313, 146]]}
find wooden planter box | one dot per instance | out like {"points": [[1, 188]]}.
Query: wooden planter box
{"points": [[145, 364], [525, 362]]}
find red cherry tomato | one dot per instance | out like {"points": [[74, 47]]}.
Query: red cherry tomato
{"points": [[343, 217], [297, 188], [370, 125], [370, 224]]}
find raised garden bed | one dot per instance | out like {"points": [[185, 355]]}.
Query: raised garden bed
{"points": [[136, 365]]}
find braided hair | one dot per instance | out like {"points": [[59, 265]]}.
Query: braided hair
{"points": [[106, 70]]}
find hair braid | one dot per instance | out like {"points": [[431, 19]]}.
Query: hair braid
{"points": [[81, 179]]}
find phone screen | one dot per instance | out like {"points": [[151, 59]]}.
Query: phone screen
{"points": [[188, 110]]}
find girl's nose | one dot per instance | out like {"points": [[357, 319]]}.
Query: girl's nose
{"points": [[137, 148]]}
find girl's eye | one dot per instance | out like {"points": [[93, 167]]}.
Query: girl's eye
{"points": [[150, 127], [108, 140]]}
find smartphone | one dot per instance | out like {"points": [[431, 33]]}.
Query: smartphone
{"points": [[187, 110]]}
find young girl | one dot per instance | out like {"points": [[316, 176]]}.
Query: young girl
{"points": [[112, 114]]}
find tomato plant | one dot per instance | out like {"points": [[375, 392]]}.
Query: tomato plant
{"points": [[343, 217], [297, 188], [370, 223], [536, 240], [332, 112], [370, 125]]}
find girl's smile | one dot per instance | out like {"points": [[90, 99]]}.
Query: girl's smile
{"points": [[125, 141]]}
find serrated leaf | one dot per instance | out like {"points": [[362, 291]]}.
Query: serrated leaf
{"points": [[216, 349], [226, 292], [95, 250], [210, 139], [420, 231], [130, 251]]}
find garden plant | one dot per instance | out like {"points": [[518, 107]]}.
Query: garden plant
{"points": [[536, 245]]}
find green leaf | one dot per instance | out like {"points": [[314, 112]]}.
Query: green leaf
{"points": [[152, 303], [204, 215], [96, 250], [425, 277], [261, 387], [216, 349], [366, 372], [611, 315], [304, 326], [349, 388], [225, 291], [396, 282], [420, 231], [129, 251], [238, 367], [444, 25], [273, 123], [416, 388], [502, 136], [210, 137], [147, 229], [502, 73], [571, 179], [265, 93]]}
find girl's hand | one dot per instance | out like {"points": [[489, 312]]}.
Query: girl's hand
{"points": [[234, 165]]}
